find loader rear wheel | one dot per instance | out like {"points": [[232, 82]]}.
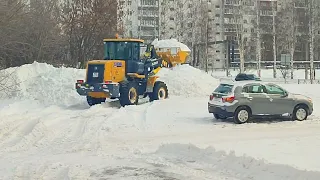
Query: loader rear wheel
{"points": [[94, 101], [160, 91], [129, 94]]}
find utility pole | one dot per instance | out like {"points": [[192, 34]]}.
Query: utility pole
{"points": [[227, 45], [159, 19], [274, 12], [207, 35], [311, 39], [258, 39]]}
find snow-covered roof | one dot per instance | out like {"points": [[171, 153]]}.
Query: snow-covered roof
{"points": [[170, 43]]}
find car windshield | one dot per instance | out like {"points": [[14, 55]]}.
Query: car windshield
{"points": [[224, 89]]}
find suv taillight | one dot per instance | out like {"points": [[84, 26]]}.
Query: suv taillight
{"points": [[80, 81], [211, 97], [228, 99]]}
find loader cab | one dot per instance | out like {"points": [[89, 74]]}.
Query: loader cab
{"points": [[127, 50]]}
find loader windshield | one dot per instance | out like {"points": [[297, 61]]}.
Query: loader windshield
{"points": [[119, 50]]}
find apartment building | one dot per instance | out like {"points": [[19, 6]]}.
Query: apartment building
{"points": [[259, 15], [139, 19], [162, 19], [239, 22]]}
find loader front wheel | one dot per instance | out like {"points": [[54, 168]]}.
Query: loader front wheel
{"points": [[129, 94], [94, 101], [160, 91]]}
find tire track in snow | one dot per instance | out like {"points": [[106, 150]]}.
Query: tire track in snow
{"points": [[89, 131], [23, 135], [29, 135], [209, 163]]}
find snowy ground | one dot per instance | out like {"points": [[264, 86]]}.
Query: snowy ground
{"points": [[48, 132]]}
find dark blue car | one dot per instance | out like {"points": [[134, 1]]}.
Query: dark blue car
{"points": [[246, 77]]}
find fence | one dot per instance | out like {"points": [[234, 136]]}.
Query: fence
{"points": [[276, 80]]}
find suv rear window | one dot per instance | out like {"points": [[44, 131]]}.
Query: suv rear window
{"points": [[224, 89]]}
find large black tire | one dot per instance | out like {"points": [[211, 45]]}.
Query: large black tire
{"points": [[160, 91], [300, 113], [242, 115], [129, 94], [94, 101]]}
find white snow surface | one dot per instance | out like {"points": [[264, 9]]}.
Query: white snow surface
{"points": [[63, 138], [43, 82], [170, 43], [184, 80]]}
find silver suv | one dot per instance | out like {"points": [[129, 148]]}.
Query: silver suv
{"points": [[248, 99]]}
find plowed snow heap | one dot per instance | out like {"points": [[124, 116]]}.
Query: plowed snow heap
{"points": [[53, 86]]}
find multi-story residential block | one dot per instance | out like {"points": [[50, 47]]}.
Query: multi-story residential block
{"points": [[162, 19], [204, 22], [239, 22], [139, 19]]}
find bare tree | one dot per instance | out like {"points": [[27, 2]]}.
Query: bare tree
{"points": [[314, 13], [86, 23], [30, 32], [286, 30], [245, 23], [285, 72]]}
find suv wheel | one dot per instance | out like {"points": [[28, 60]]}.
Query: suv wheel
{"points": [[300, 113], [242, 115]]}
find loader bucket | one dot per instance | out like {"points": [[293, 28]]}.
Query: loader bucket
{"points": [[171, 51]]}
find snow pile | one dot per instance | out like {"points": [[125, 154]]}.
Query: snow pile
{"points": [[55, 86], [211, 162], [170, 43], [185, 80], [45, 83]]}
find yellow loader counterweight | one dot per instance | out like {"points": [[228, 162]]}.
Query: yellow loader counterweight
{"points": [[123, 74]]}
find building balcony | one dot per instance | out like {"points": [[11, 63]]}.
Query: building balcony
{"points": [[144, 6], [230, 3], [149, 15]]}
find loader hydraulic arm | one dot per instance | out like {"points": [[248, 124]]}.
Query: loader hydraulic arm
{"points": [[152, 66]]}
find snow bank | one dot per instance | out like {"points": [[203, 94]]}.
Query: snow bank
{"points": [[185, 80], [170, 43], [55, 86], [210, 162], [43, 82]]}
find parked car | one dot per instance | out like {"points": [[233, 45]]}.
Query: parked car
{"points": [[247, 77], [249, 99]]}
